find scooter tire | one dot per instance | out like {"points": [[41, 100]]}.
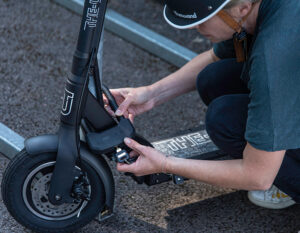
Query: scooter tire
{"points": [[29, 206]]}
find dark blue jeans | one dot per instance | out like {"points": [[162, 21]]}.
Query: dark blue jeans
{"points": [[227, 98]]}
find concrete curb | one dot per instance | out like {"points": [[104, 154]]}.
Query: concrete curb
{"points": [[10, 142], [138, 35]]}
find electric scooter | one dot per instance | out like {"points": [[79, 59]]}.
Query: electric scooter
{"points": [[59, 183]]}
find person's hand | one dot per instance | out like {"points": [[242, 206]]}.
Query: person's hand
{"points": [[149, 160], [131, 101]]}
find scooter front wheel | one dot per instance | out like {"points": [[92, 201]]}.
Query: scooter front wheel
{"points": [[25, 187]]}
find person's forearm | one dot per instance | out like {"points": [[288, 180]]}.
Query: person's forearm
{"points": [[227, 174], [181, 81], [256, 171]]}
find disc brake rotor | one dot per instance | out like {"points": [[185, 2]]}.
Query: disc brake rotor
{"points": [[35, 194], [39, 192]]}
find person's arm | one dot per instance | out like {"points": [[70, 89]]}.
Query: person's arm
{"points": [[183, 80], [256, 171], [134, 101]]}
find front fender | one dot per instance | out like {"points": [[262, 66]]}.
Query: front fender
{"points": [[49, 144], [41, 144]]}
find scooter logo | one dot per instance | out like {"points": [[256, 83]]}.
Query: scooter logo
{"points": [[68, 102], [92, 14]]}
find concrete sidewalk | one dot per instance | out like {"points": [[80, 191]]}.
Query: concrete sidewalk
{"points": [[36, 48]]}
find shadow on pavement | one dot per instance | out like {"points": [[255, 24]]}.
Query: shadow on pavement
{"points": [[232, 213]]}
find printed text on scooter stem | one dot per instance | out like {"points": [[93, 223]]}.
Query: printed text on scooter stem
{"points": [[92, 14], [68, 102]]}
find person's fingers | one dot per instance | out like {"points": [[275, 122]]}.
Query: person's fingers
{"points": [[131, 117], [119, 94], [105, 100], [117, 91], [122, 167], [124, 106], [133, 154], [125, 114], [109, 110], [135, 146]]}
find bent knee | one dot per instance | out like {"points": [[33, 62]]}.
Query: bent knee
{"points": [[226, 119], [205, 83], [216, 112], [204, 77]]}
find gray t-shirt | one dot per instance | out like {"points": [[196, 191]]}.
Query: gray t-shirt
{"points": [[272, 73]]}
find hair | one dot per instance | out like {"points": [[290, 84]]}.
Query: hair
{"points": [[233, 3]]}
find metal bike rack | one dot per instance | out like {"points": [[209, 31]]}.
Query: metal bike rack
{"points": [[10, 142]]}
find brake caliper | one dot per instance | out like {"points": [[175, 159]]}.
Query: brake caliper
{"points": [[81, 189]]}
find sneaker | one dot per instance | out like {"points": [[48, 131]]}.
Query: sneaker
{"points": [[272, 198]]}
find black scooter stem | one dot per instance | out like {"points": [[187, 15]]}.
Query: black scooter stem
{"points": [[89, 35], [76, 92]]}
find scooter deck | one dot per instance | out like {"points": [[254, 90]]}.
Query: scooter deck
{"points": [[190, 144]]}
